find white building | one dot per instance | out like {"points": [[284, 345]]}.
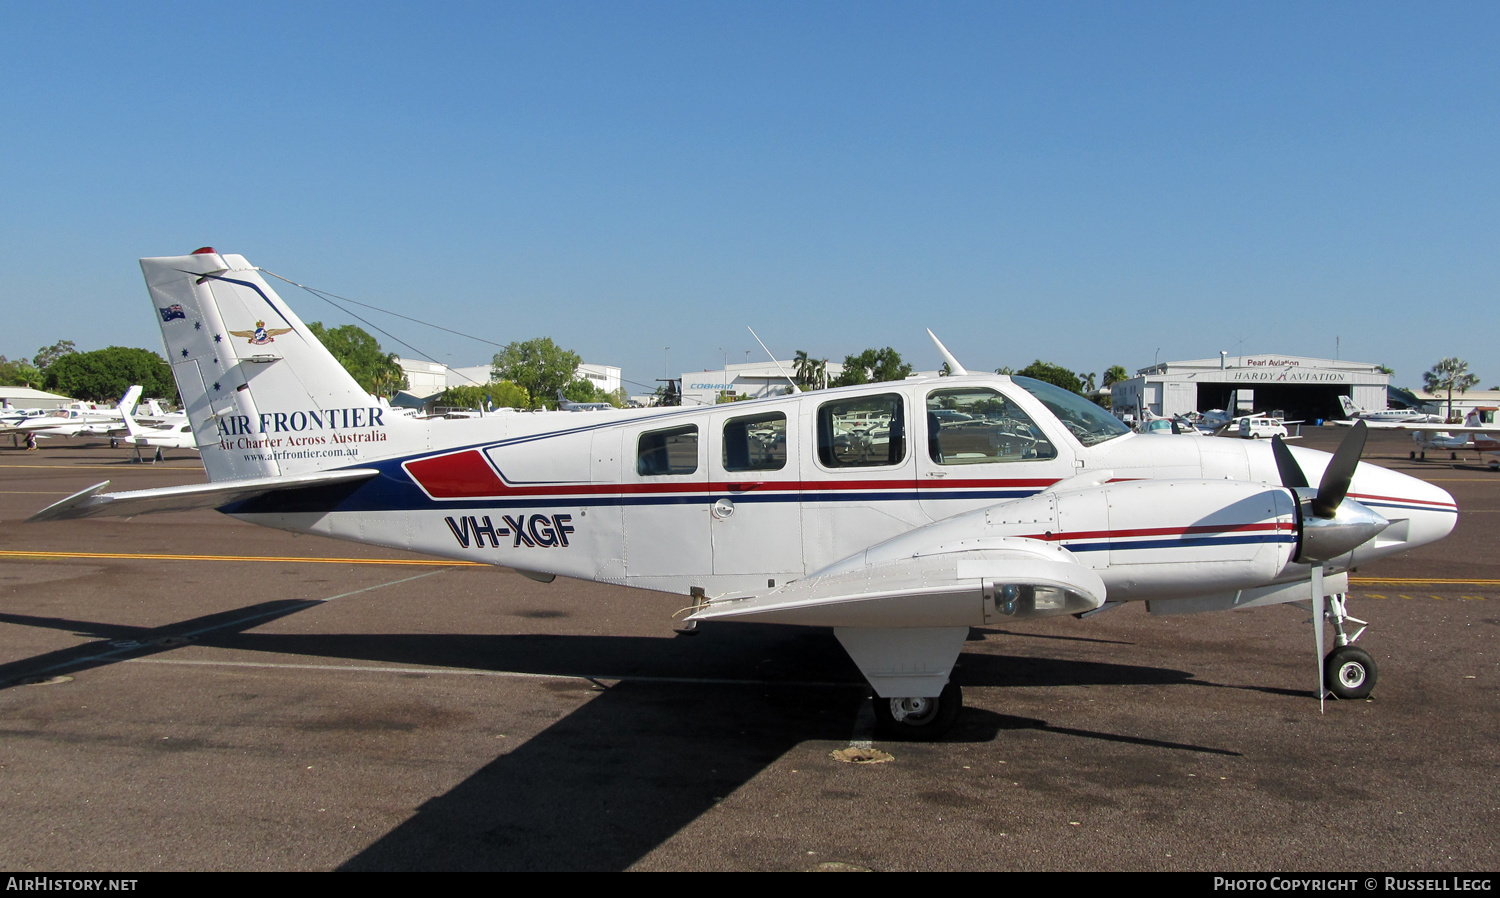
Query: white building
{"points": [[424, 378], [1437, 403], [603, 377], [26, 397], [753, 379], [1303, 388]]}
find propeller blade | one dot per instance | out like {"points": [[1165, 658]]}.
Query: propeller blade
{"points": [[1336, 478], [1317, 610], [1291, 473]]}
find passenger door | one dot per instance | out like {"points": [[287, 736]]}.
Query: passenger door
{"points": [[756, 520]]}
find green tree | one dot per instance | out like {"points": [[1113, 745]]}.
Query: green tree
{"points": [[1450, 374], [872, 366], [48, 354], [19, 373], [1115, 374], [538, 366], [1053, 374], [371, 367], [496, 394], [105, 374], [581, 389]]}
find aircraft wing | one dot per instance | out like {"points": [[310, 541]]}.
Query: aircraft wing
{"points": [[93, 502], [997, 578], [1450, 428]]}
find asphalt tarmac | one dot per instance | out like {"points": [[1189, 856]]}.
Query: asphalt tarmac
{"points": [[188, 692]]}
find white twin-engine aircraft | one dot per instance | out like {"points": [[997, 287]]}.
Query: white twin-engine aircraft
{"points": [[899, 514]]}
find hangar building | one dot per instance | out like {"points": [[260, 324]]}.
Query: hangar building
{"points": [[1304, 389]]}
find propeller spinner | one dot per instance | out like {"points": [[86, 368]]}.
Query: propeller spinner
{"points": [[1331, 524]]}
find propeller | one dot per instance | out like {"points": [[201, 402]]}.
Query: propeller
{"points": [[1329, 523]]}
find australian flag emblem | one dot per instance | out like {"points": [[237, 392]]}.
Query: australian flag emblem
{"points": [[172, 311]]}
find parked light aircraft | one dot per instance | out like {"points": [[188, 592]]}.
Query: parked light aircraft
{"points": [[83, 420], [565, 404], [1479, 433], [1386, 416], [857, 508], [78, 418], [172, 434]]}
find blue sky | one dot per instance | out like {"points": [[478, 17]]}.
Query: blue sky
{"points": [[1086, 183]]}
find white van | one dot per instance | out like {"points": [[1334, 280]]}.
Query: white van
{"points": [[1261, 428]]}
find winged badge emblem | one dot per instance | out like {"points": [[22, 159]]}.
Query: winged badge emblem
{"points": [[262, 334]]}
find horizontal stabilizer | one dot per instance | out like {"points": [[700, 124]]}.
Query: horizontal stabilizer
{"points": [[1007, 579], [93, 502]]}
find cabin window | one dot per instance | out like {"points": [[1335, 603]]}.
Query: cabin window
{"points": [[755, 443], [671, 451], [977, 426], [868, 431]]}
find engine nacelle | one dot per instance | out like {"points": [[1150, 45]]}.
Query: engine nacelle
{"points": [[1146, 539]]}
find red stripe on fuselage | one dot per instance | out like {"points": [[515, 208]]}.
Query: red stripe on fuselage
{"points": [[1402, 499], [461, 475]]}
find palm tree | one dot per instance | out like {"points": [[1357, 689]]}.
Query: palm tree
{"points": [[1450, 374], [810, 373]]}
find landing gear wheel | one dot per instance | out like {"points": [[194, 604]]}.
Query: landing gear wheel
{"points": [[918, 719], [1349, 672], [114, 443]]}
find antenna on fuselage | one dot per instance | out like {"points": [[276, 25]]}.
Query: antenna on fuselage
{"points": [[795, 388], [947, 356]]}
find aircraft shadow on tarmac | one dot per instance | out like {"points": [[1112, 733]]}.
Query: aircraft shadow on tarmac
{"points": [[689, 722]]}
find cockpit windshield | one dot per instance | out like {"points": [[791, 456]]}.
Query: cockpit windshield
{"points": [[1085, 420]]}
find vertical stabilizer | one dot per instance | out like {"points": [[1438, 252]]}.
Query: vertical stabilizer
{"points": [[128, 401], [1348, 406], [264, 397]]}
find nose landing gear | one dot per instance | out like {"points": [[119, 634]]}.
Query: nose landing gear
{"points": [[1348, 671]]}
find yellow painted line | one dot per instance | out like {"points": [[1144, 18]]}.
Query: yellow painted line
{"points": [[9, 553], [1367, 581]]}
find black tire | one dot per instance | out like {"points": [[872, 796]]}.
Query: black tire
{"points": [[923, 720], [1349, 672]]}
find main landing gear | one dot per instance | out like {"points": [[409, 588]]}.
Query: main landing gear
{"points": [[918, 719], [1348, 671]]}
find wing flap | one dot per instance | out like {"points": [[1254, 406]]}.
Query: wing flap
{"points": [[1007, 579], [94, 502]]}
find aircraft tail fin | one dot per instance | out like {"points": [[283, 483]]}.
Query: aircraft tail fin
{"points": [[128, 401], [1348, 406], [263, 395], [132, 427]]}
